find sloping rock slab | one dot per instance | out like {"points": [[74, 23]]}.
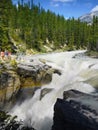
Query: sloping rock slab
{"points": [[37, 71], [77, 111]]}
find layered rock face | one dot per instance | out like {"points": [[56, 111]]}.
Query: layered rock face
{"points": [[35, 72], [23, 79], [9, 86], [77, 111]]}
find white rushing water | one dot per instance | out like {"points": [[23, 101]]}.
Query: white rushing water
{"points": [[77, 73]]}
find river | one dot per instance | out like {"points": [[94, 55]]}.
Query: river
{"points": [[80, 73]]}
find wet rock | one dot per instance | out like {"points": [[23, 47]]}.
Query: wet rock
{"points": [[77, 111], [36, 72], [44, 92], [27, 74], [25, 93], [73, 94], [9, 86]]}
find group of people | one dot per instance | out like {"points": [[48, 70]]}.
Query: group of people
{"points": [[5, 55]]}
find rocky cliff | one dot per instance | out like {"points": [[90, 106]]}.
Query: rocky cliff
{"points": [[22, 80], [9, 86], [77, 111], [89, 17]]}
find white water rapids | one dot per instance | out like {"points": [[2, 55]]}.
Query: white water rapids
{"points": [[80, 73]]}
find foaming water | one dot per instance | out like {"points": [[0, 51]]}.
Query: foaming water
{"points": [[75, 75]]}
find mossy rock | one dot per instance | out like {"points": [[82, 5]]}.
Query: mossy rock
{"points": [[93, 54]]}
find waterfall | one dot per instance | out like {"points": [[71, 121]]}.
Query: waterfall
{"points": [[76, 74]]}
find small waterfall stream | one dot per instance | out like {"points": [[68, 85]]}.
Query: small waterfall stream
{"points": [[80, 73]]}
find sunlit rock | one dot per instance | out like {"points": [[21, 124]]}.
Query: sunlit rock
{"points": [[35, 73]]}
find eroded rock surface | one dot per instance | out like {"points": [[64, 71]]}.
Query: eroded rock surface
{"points": [[9, 86], [35, 73], [77, 111], [22, 79]]}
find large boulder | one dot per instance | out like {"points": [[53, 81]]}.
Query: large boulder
{"points": [[76, 111], [35, 72], [45, 91]]}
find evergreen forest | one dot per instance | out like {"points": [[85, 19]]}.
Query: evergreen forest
{"points": [[29, 26]]}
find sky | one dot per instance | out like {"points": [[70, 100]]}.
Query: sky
{"points": [[68, 8]]}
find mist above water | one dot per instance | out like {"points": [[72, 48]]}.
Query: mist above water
{"points": [[76, 73]]}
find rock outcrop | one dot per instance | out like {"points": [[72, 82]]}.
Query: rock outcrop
{"points": [[77, 111], [35, 73], [9, 86], [44, 91], [23, 79]]}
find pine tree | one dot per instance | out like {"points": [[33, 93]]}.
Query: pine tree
{"points": [[5, 11]]}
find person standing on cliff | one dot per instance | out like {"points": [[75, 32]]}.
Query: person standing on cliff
{"points": [[6, 54], [2, 55], [9, 55]]}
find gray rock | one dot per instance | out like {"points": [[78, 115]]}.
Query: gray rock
{"points": [[27, 74], [44, 92], [77, 111], [38, 71], [9, 86], [24, 94]]}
